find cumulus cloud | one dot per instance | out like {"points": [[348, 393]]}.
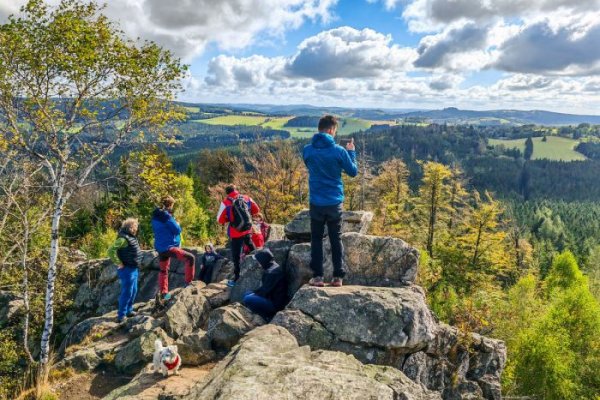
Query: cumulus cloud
{"points": [[187, 26], [521, 82], [243, 72], [343, 52], [423, 15], [349, 53], [445, 82], [435, 50], [540, 49]]}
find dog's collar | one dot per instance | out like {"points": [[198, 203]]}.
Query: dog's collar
{"points": [[172, 365]]}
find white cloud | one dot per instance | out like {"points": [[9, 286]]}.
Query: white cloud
{"points": [[542, 48], [349, 53], [430, 15], [187, 26], [343, 52], [442, 50]]}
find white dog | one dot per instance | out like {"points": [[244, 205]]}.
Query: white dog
{"points": [[166, 358]]}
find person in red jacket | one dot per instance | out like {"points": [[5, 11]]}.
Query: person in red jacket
{"points": [[241, 215], [260, 233]]}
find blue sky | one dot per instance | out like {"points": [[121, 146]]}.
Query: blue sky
{"points": [[477, 54]]}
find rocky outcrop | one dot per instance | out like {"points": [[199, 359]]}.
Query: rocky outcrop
{"points": [[474, 361], [372, 334], [128, 346], [368, 260], [99, 286], [269, 364], [298, 230], [393, 326]]}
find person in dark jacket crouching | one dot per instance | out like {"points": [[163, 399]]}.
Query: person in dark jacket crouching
{"points": [[272, 296], [127, 255]]}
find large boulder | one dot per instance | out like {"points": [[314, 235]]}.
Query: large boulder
{"points": [[370, 319], [226, 325], [298, 230], [188, 311], [268, 364], [90, 328], [195, 348], [393, 326], [368, 260]]}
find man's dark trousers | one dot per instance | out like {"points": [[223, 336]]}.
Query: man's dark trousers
{"points": [[330, 216], [237, 244]]}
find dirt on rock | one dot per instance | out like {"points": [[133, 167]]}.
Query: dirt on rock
{"points": [[90, 386]]}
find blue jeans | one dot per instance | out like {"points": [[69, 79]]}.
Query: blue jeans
{"points": [[129, 287], [259, 305], [330, 216]]}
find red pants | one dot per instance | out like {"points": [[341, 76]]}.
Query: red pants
{"points": [[164, 262]]}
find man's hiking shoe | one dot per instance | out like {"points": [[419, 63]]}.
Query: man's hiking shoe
{"points": [[317, 281], [336, 282], [120, 319], [166, 296], [131, 314], [231, 283]]}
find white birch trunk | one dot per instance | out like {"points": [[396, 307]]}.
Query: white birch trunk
{"points": [[54, 248]]}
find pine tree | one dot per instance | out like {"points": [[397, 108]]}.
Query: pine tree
{"points": [[433, 200]]}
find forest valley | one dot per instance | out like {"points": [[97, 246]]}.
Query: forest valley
{"points": [[510, 245]]}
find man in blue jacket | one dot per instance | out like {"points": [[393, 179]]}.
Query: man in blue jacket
{"points": [[325, 161], [167, 242]]}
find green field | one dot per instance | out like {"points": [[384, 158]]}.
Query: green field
{"points": [[555, 148], [347, 126]]}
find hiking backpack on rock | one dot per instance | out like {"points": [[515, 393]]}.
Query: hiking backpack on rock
{"points": [[242, 220]]}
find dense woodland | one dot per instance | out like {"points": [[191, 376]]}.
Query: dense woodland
{"points": [[510, 246]]}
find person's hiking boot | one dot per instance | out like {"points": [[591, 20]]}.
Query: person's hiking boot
{"points": [[231, 283], [120, 319], [166, 296], [317, 281], [336, 282], [131, 314]]}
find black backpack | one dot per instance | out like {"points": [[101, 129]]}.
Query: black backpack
{"points": [[242, 220]]}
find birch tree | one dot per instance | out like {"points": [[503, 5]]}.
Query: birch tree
{"points": [[72, 90]]}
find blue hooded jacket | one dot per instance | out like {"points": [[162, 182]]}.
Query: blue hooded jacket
{"points": [[325, 161], [167, 232]]}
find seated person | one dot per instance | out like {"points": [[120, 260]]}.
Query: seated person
{"points": [[272, 296], [260, 233], [209, 260]]}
